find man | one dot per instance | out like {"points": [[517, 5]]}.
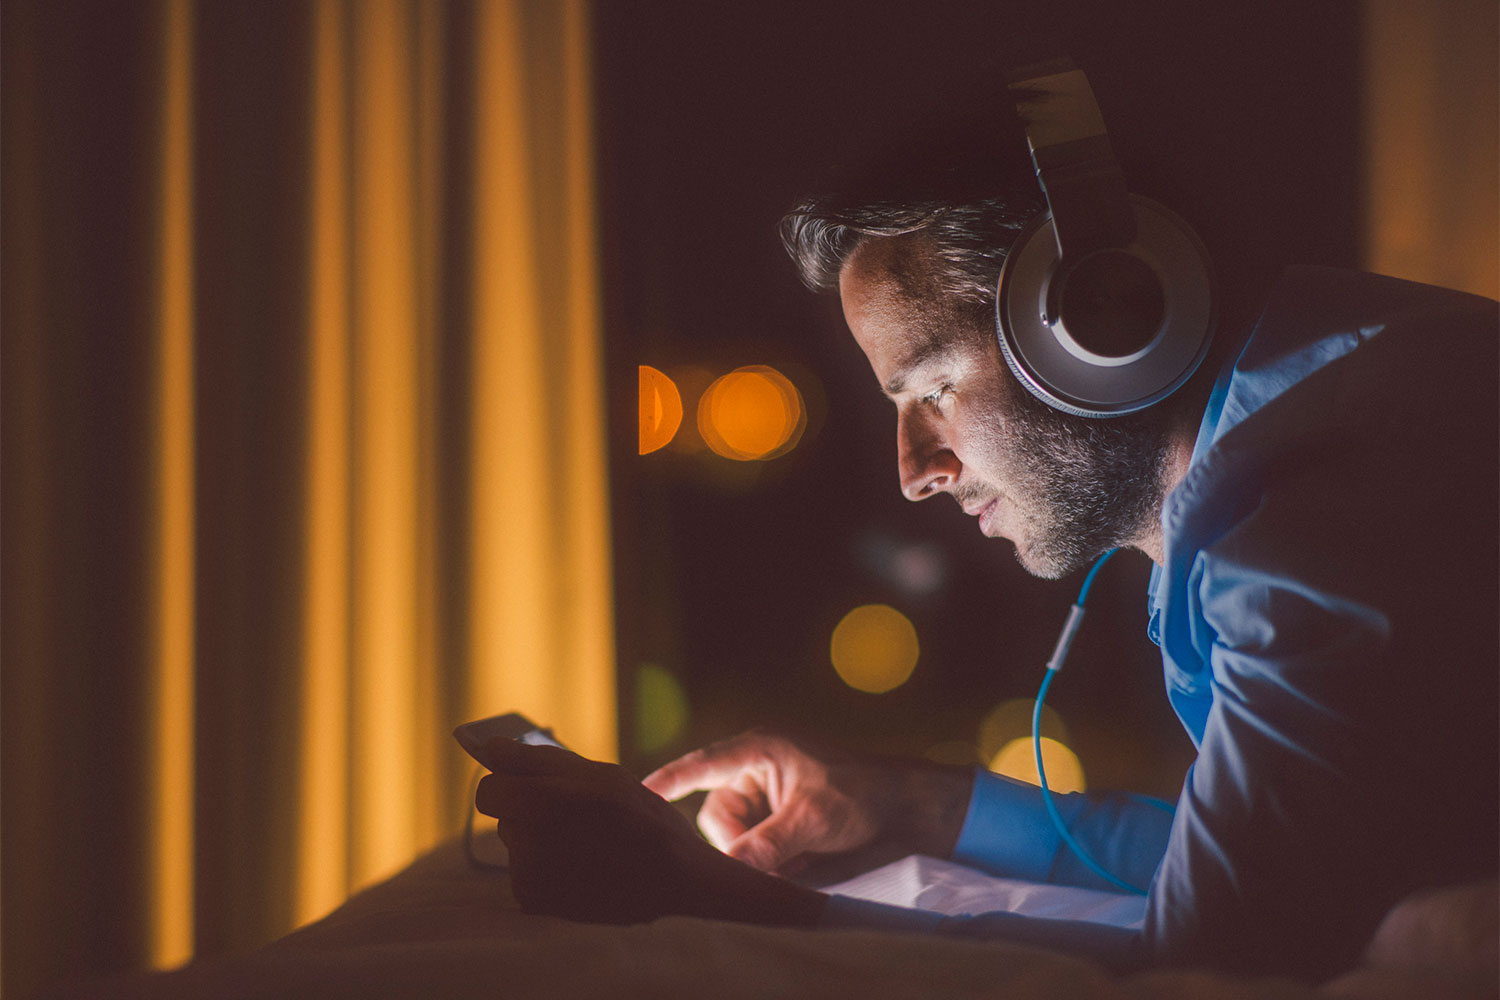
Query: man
{"points": [[1323, 523]]}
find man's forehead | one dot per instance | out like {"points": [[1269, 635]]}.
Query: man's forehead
{"points": [[909, 335], [926, 349], [939, 352]]}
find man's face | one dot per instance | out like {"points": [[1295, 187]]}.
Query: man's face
{"points": [[1060, 490]]}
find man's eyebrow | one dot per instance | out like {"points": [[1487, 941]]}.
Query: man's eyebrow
{"points": [[924, 354]]}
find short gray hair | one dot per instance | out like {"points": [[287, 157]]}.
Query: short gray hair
{"points": [[967, 241]]}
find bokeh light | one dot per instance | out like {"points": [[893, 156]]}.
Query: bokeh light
{"points": [[751, 413], [916, 569], [1011, 720], [661, 708], [874, 648], [660, 409], [1018, 760]]}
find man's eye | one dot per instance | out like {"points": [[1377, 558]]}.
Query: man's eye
{"points": [[936, 396]]}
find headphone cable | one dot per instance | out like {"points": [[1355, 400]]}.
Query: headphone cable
{"points": [[1059, 653]]}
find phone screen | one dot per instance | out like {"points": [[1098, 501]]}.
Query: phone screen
{"points": [[475, 736]]}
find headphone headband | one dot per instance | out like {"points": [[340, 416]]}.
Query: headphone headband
{"points": [[1105, 304], [1075, 165]]}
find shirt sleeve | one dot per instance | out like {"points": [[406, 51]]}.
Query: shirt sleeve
{"points": [[1007, 832], [1277, 811]]}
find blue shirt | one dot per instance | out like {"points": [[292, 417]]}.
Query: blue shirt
{"points": [[1326, 612]]}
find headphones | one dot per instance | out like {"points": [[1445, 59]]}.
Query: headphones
{"points": [[1105, 303]]}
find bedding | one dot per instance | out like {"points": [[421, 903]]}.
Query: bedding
{"points": [[442, 929]]}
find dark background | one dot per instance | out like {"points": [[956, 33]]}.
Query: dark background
{"points": [[713, 119]]}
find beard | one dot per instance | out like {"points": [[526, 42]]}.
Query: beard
{"points": [[1089, 485]]}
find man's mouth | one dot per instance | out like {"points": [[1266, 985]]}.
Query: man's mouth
{"points": [[985, 513]]}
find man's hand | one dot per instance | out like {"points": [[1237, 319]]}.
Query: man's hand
{"points": [[776, 803], [587, 842]]}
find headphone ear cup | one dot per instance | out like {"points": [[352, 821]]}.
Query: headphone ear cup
{"points": [[1114, 332]]}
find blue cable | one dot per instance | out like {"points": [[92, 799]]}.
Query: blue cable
{"points": [[1088, 581], [1070, 629]]}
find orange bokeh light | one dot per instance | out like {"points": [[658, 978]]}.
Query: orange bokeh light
{"points": [[874, 648], [660, 409], [751, 413]]}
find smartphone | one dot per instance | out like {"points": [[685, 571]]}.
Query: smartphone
{"points": [[475, 736]]}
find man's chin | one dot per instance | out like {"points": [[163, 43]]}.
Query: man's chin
{"points": [[1040, 570], [1047, 563]]}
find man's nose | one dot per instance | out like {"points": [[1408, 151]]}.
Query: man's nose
{"points": [[926, 464]]}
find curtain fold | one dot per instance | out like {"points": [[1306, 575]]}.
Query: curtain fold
{"points": [[1431, 125], [172, 682], [304, 451]]}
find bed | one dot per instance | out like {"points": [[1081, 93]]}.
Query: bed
{"points": [[442, 929]]}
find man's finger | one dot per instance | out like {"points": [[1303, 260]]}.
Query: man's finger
{"points": [[725, 816], [490, 797], [711, 767], [769, 845], [507, 795]]}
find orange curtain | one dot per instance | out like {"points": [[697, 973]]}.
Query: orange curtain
{"points": [[304, 451], [1431, 124]]}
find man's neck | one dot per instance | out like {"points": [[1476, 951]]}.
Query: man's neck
{"points": [[1178, 456]]}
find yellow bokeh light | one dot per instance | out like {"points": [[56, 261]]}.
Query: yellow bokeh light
{"points": [[874, 648], [751, 413], [1011, 720], [660, 409], [661, 708], [1017, 760]]}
